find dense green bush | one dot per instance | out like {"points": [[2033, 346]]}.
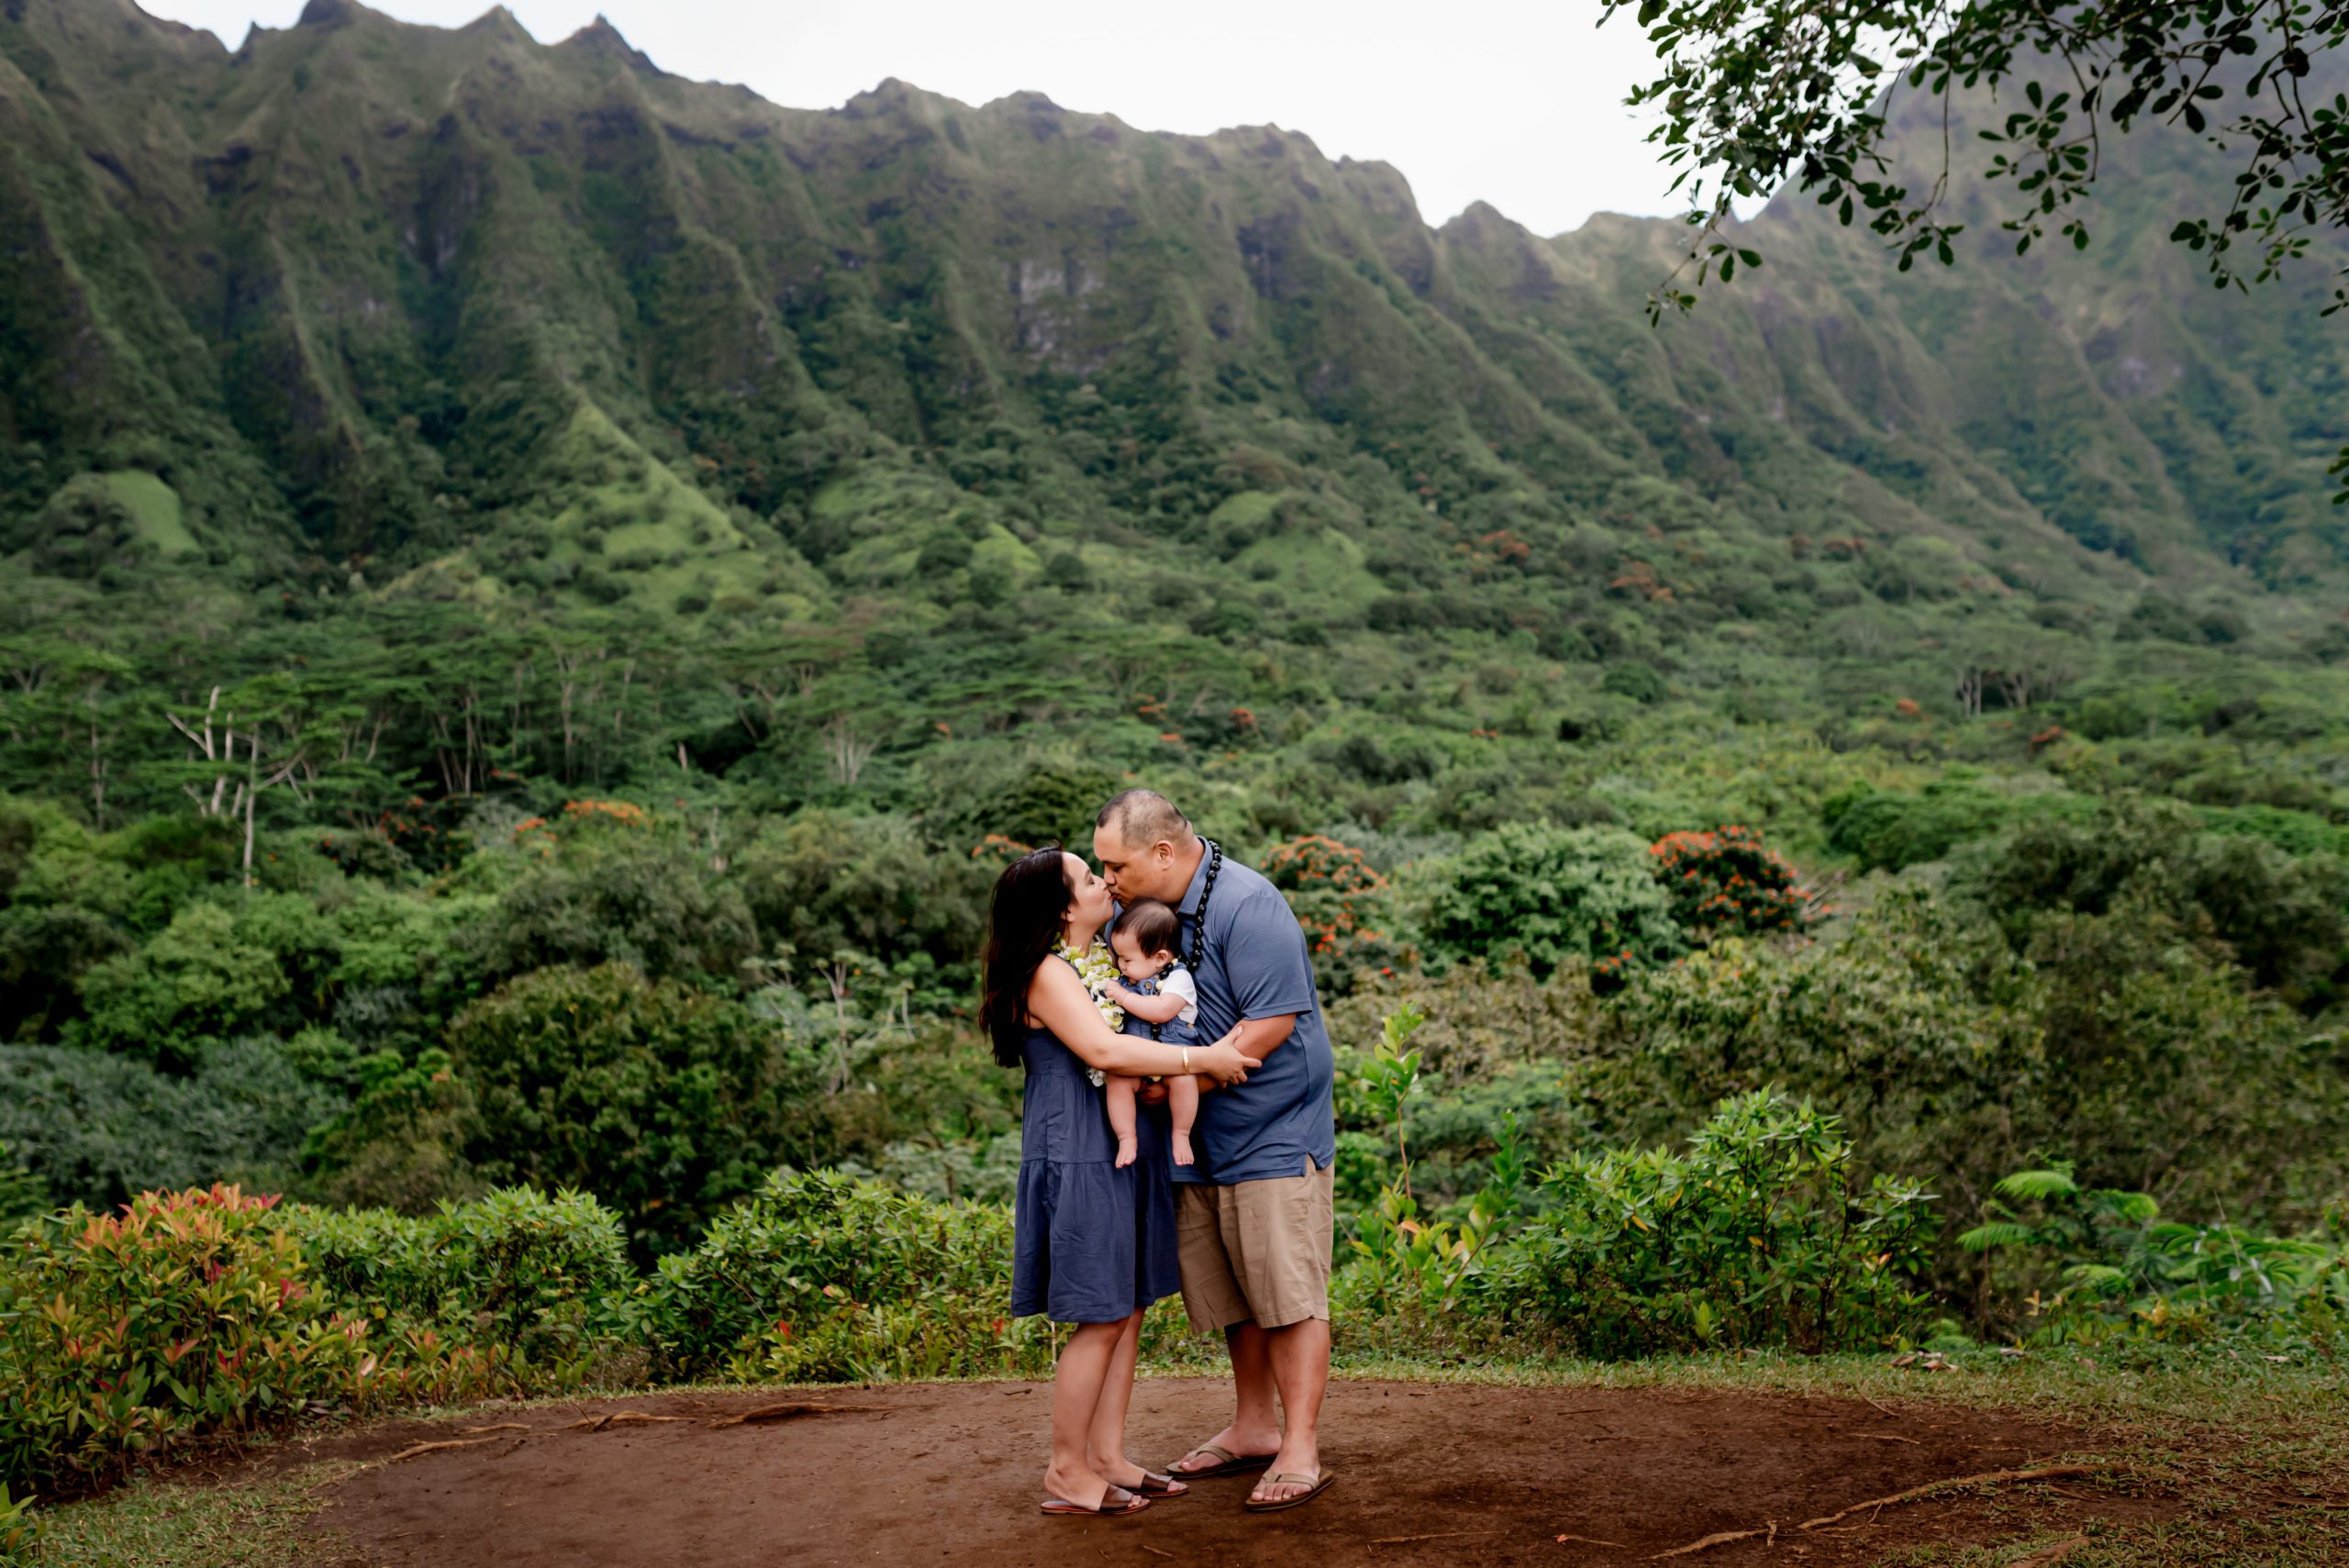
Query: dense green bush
{"points": [[21, 1191], [1553, 894], [666, 1102], [869, 887], [2284, 919], [1945, 1051], [2092, 1265], [816, 1277], [187, 1312], [184, 993], [1887, 830], [1761, 1233], [546, 1278], [100, 1128], [617, 893]]}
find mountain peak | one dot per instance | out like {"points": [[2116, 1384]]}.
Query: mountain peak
{"points": [[328, 13], [600, 38], [497, 20]]}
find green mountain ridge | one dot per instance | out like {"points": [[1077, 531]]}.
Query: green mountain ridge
{"points": [[401, 312]]}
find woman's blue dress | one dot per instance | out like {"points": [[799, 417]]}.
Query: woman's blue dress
{"points": [[1091, 1243]]}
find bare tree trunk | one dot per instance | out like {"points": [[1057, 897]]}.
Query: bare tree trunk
{"points": [[97, 780], [1969, 692], [849, 750], [252, 797]]}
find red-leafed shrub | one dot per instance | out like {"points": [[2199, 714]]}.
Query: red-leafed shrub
{"points": [[1728, 883], [185, 1312]]}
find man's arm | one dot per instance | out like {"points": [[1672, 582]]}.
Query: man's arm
{"points": [[1256, 1038]]}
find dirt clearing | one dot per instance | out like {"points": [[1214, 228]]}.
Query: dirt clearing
{"points": [[1429, 1473]]}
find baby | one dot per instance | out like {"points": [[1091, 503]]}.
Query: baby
{"points": [[1160, 999]]}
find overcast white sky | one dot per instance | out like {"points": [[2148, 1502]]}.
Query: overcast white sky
{"points": [[1520, 104]]}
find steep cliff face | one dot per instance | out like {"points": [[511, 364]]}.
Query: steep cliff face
{"points": [[460, 305]]}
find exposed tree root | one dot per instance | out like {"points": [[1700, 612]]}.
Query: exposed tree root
{"points": [[436, 1447], [791, 1412], [1723, 1538], [611, 1419], [1930, 1488], [1591, 1540], [2045, 1473], [501, 1427]]}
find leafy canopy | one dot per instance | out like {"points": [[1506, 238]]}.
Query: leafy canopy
{"points": [[1754, 97]]}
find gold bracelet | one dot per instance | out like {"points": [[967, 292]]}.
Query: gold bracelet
{"points": [[1186, 1060]]}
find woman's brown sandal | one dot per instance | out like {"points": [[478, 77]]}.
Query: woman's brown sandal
{"points": [[1154, 1485], [1115, 1502]]}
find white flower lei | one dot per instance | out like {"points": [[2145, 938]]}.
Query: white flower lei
{"points": [[1096, 966]]}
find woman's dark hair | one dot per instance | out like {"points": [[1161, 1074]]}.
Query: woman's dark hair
{"points": [[1027, 916], [1153, 926]]}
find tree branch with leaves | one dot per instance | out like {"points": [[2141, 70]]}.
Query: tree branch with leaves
{"points": [[1800, 94]]}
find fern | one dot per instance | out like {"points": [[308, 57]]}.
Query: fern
{"points": [[1997, 1233], [2095, 1279], [2039, 1184]]}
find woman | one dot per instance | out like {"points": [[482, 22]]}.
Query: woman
{"points": [[1082, 1254]]}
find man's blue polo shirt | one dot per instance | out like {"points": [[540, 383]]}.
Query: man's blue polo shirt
{"points": [[1256, 965]]}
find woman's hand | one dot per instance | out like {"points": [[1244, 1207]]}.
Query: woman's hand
{"points": [[1222, 1061]]}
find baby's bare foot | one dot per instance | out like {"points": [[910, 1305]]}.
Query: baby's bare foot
{"points": [[1125, 1150], [1182, 1149]]}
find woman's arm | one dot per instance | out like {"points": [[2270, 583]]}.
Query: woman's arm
{"points": [[1150, 1009], [1057, 1000]]}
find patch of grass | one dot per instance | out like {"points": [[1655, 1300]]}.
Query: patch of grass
{"points": [[2214, 1532], [254, 1524], [154, 507], [1321, 570]]}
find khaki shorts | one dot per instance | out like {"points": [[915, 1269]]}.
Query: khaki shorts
{"points": [[1256, 1251]]}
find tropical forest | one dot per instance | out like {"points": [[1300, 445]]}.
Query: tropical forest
{"points": [[542, 596]]}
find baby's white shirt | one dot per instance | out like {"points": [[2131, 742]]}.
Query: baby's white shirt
{"points": [[1177, 981]]}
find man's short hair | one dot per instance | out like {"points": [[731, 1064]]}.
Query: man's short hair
{"points": [[1143, 816]]}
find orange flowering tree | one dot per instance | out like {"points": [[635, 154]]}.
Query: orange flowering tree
{"points": [[1728, 883], [1342, 901]]}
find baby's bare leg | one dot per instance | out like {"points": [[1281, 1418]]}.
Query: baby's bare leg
{"points": [[1183, 1102], [1120, 1091]]}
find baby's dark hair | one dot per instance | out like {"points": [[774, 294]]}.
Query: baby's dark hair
{"points": [[1153, 926]]}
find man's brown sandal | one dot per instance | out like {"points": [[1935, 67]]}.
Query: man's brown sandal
{"points": [[1315, 1486], [1115, 1502], [1227, 1463]]}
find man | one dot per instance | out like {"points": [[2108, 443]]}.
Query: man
{"points": [[1252, 1217]]}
